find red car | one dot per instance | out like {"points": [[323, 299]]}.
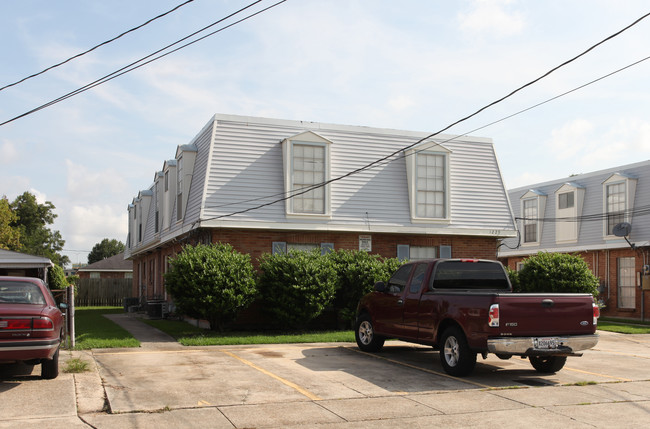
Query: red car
{"points": [[31, 325]]}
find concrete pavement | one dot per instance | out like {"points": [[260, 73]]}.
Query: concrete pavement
{"points": [[163, 384]]}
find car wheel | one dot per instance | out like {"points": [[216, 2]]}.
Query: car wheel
{"points": [[547, 364], [365, 335], [50, 367], [456, 357]]}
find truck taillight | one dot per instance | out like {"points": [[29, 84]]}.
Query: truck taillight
{"points": [[493, 320], [596, 313]]}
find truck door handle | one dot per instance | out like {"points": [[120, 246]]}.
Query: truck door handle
{"points": [[548, 303], [400, 301]]}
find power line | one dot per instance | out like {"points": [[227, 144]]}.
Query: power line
{"points": [[95, 47], [633, 212], [134, 65], [386, 159]]}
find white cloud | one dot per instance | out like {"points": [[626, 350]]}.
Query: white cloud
{"points": [[8, 152], [86, 226], [83, 183], [572, 138], [491, 18]]}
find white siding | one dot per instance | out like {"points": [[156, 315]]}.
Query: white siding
{"points": [[590, 231], [239, 166]]}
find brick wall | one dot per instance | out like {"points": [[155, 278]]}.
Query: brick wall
{"points": [[604, 265]]}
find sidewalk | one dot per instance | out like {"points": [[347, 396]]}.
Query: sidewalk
{"points": [[149, 337]]}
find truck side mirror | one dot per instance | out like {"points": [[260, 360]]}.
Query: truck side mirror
{"points": [[380, 287]]}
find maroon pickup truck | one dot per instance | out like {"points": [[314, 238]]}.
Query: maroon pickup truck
{"points": [[463, 307]]}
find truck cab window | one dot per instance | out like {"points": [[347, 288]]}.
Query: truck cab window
{"points": [[418, 278], [397, 283]]}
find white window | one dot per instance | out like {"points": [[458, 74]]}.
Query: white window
{"points": [[626, 277], [618, 199], [179, 188], [531, 220], [306, 173], [533, 204], [430, 186], [417, 253], [95, 275], [307, 186], [427, 169]]}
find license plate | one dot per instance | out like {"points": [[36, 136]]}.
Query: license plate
{"points": [[546, 343]]}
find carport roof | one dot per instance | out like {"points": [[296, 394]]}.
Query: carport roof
{"points": [[9, 259]]}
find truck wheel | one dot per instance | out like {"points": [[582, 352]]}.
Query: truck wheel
{"points": [[547, 364], [365, 335], [50, 367], [455, 355]]}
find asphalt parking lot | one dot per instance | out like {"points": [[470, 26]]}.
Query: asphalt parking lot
{"points": [[163, 384]]}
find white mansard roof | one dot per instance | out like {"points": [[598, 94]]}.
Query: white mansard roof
{"points": [[236, 180]]}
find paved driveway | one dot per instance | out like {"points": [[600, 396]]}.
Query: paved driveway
{"points": [[334, 385]]}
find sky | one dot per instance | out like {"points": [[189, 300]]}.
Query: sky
{"points": [[410, 64]]}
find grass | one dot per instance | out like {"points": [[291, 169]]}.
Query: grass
{"points": [[76, 366], [622, 327], [94, 331], [189, 335]]}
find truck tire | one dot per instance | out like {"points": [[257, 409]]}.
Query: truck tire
{"points": [[50, 367], [547, 364], [365, 335], [456, 357]]}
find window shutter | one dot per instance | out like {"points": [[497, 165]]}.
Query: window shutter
{"points": [[403, 251], [279, 247], [445, 251], [326, 248]]}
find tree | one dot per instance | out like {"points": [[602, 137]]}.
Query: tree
{"points": [[9, 235], [31, 222], [211, 282], [105, 249], [556, 272], [56, 278]]}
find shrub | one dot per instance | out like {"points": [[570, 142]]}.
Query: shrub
{"points": [[357, 273], [296, 287], [56, 278], [211, 282], [557, 272]]}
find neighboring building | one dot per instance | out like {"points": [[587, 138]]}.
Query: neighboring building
{"points": [[23, 265], [579, 214], [442, 197], [115, 267]]}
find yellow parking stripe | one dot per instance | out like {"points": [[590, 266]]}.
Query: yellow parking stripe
{"points": [[596, 373], [442, 374], [305, 392]]}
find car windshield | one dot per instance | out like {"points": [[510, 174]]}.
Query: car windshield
{"points": [[21, 293]]}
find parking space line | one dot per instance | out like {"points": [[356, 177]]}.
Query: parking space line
{"points": [[596, 373], [430, 371], [305, 392]]}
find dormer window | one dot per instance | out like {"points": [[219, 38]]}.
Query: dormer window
{"points": [[619, 191], [427, 168], [569, 201], [306, 171], [533, 204]]}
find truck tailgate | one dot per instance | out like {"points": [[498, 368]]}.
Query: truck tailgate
{"points": [[524, 314]]}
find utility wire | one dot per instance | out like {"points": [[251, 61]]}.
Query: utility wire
{"points": [[134, 65], [95, 47], [637, 211], [387, 158]]}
